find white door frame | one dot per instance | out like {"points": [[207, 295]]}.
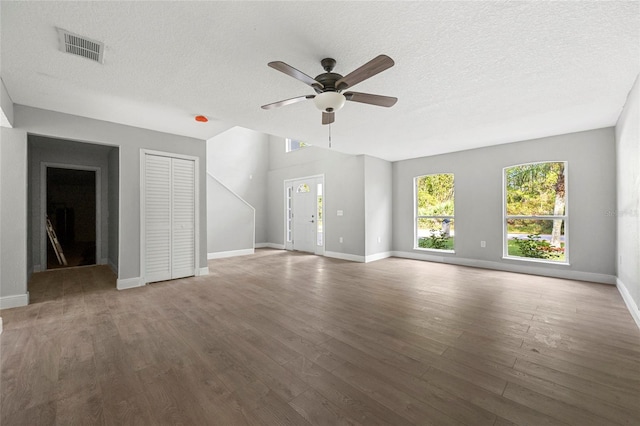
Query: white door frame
{"points": [[44, 165], [196, 160], [287, 182]]}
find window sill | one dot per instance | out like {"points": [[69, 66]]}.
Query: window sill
{"points": [[434, 250], [533, 260]]}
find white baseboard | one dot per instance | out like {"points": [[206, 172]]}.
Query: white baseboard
{"points": [[16, 301], [628, 300], [113, 267], [203, 271], [377, 256], [127, 283], [345, 256], [521, 269], [230, 253], [270, 245], [0, 325], [37, 268]]}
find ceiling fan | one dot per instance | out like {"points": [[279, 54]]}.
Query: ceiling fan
{"points": [[329, 86]]}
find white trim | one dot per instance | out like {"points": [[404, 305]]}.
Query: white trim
{"points": [[15, 301], [37, 268], [128, 283], [0, 325], [230, 253], [377, 256], [116, 268], [271, 245], [628, 300], [345, 256], [196, 248], [104, 261], [203, 271], [521, 269], [535, 260], [43, 206]]}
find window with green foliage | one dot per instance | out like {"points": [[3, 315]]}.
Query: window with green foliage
{"points": [[434, 228], [535, 200]]}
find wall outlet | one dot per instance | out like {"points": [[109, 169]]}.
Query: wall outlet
{"points": [[341, 240], [379, 239], [340, 213], [483, 244]]}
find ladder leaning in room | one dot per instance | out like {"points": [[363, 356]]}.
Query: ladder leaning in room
{"points": [[55, 243]]}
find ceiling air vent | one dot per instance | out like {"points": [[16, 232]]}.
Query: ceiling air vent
{"points": [[81, 46]]}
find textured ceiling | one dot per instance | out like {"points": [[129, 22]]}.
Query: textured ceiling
{"points": [[467, 74]]}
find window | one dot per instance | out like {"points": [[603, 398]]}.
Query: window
{"points": [[535, 209], [303, 187], [294, 145], [434, 212]]}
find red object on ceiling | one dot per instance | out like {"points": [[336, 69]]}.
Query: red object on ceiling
{"points": [[201, 118]]}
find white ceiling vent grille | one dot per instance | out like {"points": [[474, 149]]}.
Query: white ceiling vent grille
{"points": [[81, 46]]}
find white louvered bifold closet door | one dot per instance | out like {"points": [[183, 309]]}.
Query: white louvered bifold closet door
{"points": [[183, 223], [169, 218], [157, 199]]}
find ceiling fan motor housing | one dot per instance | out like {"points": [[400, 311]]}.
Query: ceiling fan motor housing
{"points": [[328, 80]]}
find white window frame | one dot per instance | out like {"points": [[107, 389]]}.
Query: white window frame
{"points": [[565, 217], [416, 216]]}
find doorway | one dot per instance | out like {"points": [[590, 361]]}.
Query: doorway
{"points": [[304, 214], [71, 215]]}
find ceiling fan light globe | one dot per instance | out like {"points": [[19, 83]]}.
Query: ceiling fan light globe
{"points": [[329, 101]]}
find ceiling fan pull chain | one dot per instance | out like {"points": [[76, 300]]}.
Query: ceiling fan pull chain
{"points": [[329, 135]]}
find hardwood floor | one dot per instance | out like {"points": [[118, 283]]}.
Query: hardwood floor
{"points": [[281, 338]]}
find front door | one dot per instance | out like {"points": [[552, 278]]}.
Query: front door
{"points": [[305, 208]]}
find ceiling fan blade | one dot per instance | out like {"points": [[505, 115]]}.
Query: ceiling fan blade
{"points": [[287, 102], [371, 68], [297, 74], [328, 117], [368, 98]]}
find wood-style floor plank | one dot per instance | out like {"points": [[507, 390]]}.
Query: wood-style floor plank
{"points": [[281, 338]]}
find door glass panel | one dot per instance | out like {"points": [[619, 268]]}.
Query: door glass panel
{"points": [[320, 231]]}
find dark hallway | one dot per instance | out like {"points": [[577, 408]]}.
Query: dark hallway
{"points": [[71, 208]]}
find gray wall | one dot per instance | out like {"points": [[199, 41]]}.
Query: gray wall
{"points": [[130, 140], [378, 189], [230, 223], [6, 104], [13, 222], [478, 202], [48, 150], [114, 207], [239, 159], [628, 207], [343, 190]]}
